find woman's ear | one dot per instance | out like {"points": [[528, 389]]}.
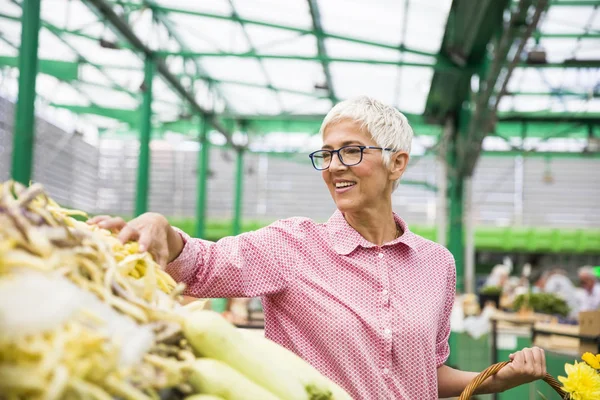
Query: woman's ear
{"points": [[399, 162]]}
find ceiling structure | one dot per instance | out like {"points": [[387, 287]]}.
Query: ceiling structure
{"points": [[270, 67]]}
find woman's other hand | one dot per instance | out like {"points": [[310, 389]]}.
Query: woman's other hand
{"points": [[526, 366], [151, 230]]}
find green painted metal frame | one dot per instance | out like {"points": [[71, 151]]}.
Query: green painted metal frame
{"points": [[322, 51], [254, 50], [122, 29], [550, 35], [202, 179], [48, 67], [57, 33], [23, 142], [239, 193], [317, 58], [62, 70], [455, 197], [143, 170], [266, 24], [164, 19]]}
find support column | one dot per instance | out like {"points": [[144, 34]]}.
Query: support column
{"points": [[239, 191], [203, 155], [441, 181], [143, 172], [23, 138], [456, 197], [456, 233], [469, 221], [455, 192]]}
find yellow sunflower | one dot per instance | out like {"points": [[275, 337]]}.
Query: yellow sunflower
{"points": [[592, 360], [582, 382]]}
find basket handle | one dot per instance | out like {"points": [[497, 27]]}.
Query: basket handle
{"points": [[492, 370]]}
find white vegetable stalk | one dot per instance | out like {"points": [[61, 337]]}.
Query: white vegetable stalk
{"points": [[219, 379], [267, 364]]}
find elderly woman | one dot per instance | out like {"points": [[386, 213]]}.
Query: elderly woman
{"points": [[360, 297]]}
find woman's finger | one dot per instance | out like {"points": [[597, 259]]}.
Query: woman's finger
{"points": [[97, 219], [540, 358], [545, 371], [113, 224], [128, 233], [518, 358], [145, 241], [529, 361], [535, 359]]}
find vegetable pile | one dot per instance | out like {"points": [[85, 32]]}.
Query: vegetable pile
{"points": [[543, 303], [84, 316]]}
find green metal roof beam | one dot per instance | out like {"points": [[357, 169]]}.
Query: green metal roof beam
{"points": [[519, 30], [122, 28], [168, 24], [122, 90], [438, 65], [310, 124], [545, 116], [256, 85], [564, 65], [553, 154], [260, 63], [318, 28], [283, 27], [130, 117], [55, 31], [221, 81], [583, 35], [62, 70], [467, 35], [571, 3], [66, 70], [558, 93]]}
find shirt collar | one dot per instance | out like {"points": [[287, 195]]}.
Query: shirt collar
{"points": [[345, 238]]}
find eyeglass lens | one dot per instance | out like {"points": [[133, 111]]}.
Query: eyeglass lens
{"points": [[349, 155]]}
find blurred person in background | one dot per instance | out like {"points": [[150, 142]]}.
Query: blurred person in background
{"points": [[363, 299], [590, 289], [498, 277], [557, 282]]}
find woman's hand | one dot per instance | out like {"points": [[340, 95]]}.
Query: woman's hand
{"points": [[527, 365], [153, 232]]}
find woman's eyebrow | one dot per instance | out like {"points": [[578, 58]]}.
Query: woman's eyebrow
{"points": [[348, 143]]}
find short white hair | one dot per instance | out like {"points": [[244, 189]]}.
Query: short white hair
{"points": [[587, 271], [386, 125]]}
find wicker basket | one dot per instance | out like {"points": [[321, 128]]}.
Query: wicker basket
{"points": [[470, 389]]}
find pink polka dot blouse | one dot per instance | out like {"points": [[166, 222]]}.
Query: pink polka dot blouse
{"points": [[374, 319]]}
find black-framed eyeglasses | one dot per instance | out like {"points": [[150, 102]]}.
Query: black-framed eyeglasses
{"points": [[348, 155]]}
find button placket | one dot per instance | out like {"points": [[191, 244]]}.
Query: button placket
{"points": [[386, 327]]}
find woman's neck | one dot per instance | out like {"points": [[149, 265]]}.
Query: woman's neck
{"points": [[376, 226]]}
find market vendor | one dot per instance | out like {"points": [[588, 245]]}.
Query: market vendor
{"points": [[360, 297], [590, 289]]}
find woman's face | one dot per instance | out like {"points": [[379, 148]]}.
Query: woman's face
{"points": [[362, 186]]}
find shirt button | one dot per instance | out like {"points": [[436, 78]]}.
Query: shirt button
{"points": [[386, 371], [387, 331], [380, 255], [384, 292]]}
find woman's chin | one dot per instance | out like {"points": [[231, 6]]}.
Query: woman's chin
{"points": [[346, 206]]}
